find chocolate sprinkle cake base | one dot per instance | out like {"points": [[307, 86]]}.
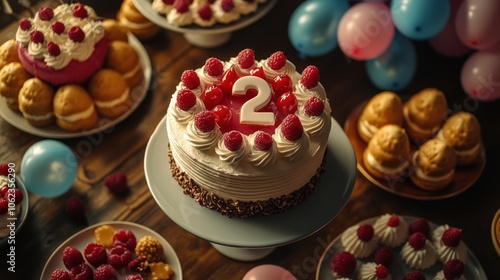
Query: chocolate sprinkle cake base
{"points": [[241, 209]]}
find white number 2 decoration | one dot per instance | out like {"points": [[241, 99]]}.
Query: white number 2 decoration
{"points": [[249, 114]]}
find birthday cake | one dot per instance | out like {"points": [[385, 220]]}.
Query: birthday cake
{"points": [[248, 137]]}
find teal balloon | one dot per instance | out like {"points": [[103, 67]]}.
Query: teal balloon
{"points": [[394, 69], [48, 168], [312, 28], [420, 19]]}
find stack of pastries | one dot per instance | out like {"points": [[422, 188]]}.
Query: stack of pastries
{"points": [[420, 138], [73, 97]]}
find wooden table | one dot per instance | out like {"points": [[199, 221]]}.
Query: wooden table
{"points": [[123, 150]]}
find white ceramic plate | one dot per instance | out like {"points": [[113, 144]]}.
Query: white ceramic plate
{"points": [[53, 131], [80, 239], [332, 193], [473, 269]]}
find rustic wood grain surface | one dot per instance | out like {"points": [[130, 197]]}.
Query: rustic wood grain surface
{"points": [[123, 149]]}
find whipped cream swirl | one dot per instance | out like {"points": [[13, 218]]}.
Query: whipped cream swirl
{"points": [[199, 139], [224, 16], [440, 276], [367, 271], [180, 19], [161, 7], [314, 125], [288, 69], [291, 150], [262, 158], [419, 259], [245, 7], [205, 79], [357, 247], [447, 253], [388, 235], [229, 156]]}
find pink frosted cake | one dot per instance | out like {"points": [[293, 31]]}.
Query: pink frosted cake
{"points": [[248, 137], [63, 45]]}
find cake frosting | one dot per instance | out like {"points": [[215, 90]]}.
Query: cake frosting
{"points": [[391, 230], [282, 173]]}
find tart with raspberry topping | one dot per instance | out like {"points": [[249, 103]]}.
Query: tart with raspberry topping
{"points": [[242, 138]]}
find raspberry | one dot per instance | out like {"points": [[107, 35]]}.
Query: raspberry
{"points": [[95, 254], [228, 80], [414, 275], [190, 79], [60, 274], [292, 128], [126, 238], [343, 264], [72, 257], [287, 103], [134, 277], [453, 269], [314, 106], [168, 2], [420, 225], [186, 99], [246, 58], [182, 6], [213, 67], [46, 13], [381, 271], [119, 257], [37, 36], [452, 237], [81, 272], [105, 272], [263, 141], [205, 12], [393, 221], [212, 96], [227, 5], [277, 60], [75, 208], [53, 49], [223, 115], [140, 265], [4, 169], [258, 72], [365, 232], [417, 240], [205, 121], [383, 255], [25, 24], [76, 34], [116, 182], [79, 11], [4, 206], [58, 27], [233, 140], [310, 76], [281, 83]]}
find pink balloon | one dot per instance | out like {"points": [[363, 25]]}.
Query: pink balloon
{"points": [[268, 272], [366, 30], [480, 74], [476, 23], [447, 42]]}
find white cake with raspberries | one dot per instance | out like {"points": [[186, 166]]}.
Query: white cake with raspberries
{"points": [[247, 137]]}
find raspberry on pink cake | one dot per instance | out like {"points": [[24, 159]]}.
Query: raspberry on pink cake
{"points": [[63, 45], [248, 146]]}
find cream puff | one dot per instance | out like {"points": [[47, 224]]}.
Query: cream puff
{"points": [[115, 30], [8, 53], [35, 102], [12, 78], [383, 108], [424, 113], [135, 22], [74, 109], [110, 93], [463, 133], [388, 152], [123, 58], [434, 165]]}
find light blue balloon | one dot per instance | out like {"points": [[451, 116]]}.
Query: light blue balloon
{"points": [[394, 69], [420, 19], [312, 28], [48, 168]]}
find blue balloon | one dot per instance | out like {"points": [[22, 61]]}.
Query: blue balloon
{"points": [[420, 19], [312, 28], [394, 69], [48, 168]]}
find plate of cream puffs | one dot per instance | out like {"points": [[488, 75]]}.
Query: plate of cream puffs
{"points": [[415, 146], [124, 79]]}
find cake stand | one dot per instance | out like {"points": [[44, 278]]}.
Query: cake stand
{"points": [[206, 37], [254, 238]]}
